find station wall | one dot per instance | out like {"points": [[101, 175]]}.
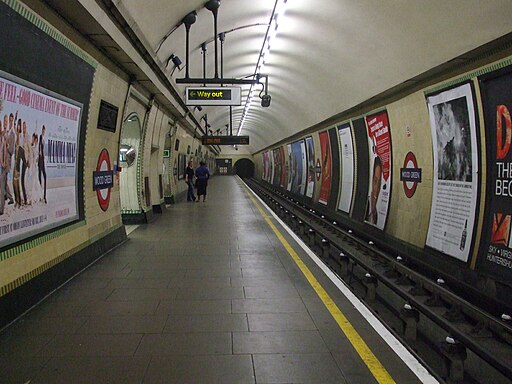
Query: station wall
{"points": [[44, 243], [452, 139]]}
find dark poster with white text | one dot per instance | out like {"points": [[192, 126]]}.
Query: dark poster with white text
{"points": [[495, 256]]}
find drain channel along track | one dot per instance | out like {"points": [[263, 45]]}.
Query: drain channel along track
{"points": [[459, 341]]}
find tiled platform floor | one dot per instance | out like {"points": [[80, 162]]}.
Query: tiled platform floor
{"points": [[205, 294]]}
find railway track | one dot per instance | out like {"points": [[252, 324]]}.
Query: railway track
{"points": [[459, 341]]}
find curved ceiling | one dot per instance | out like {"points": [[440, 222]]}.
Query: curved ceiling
{"points": [[328, 55]]}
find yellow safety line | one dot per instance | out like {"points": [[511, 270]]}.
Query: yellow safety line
{"points": [[374, 365]]}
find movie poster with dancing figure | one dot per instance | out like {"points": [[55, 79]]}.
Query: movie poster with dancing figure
{"points": [[39, 133], [379, 141], [495, 257], [454, 197]]}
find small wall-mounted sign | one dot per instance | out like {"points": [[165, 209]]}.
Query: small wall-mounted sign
{"points": [[103, 179], [225, 140], [213, 96], [167, 153], [410, 175], [107, 117]]}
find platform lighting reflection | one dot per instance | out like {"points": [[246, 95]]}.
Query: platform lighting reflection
{"points": [[270, 36]]}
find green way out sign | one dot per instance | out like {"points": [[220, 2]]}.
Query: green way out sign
{"points": [[213, 96]]}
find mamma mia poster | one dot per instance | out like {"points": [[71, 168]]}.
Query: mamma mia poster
{"points": [[38, 159], [453, 126]]}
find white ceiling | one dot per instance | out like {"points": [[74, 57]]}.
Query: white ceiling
{"points": [[329, 55]]}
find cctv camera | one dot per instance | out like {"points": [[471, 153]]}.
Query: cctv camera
{"points": [[265, 101]]}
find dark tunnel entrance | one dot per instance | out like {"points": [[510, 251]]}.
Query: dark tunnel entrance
{"points": [[244, 168]]}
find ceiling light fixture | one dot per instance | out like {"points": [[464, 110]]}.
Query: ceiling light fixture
{"points": [[277, 13]]}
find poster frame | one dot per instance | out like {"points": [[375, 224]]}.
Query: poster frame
{"points": [[339, 127], [79, 168], [478, 136], [370, 169], [479, 263]]}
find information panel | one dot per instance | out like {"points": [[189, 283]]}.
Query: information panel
{"points": [[225, 140], [213, 96]]}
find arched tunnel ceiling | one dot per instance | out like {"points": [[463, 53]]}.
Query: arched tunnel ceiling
{"points": [[329, 55]]}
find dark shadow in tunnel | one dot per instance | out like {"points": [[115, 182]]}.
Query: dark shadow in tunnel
{"points": [[244, 168]]}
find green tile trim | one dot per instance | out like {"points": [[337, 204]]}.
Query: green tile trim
{"points": [[50, 31], [469, 76], [8, 253], [30, 275]]}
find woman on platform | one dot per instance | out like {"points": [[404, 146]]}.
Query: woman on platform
{"points": [[202, 176]]}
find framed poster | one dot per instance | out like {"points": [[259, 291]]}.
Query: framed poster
{"points": [[455, 178], [495, 256], [289, 168], [39, 178], [325, 185], [310, 146], [278, 166], [182, 166], [379, 142], [298, 167], [347, 167]]}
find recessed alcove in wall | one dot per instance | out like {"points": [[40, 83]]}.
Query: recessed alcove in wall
{"points": [[129, 159]]}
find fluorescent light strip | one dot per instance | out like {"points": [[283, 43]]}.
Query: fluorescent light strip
{"points": [[279, 12]]}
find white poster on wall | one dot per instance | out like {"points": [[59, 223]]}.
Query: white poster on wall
{"points": [[453, 124], [347, 167], [38, 159]]}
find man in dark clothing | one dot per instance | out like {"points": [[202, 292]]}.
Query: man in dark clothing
{"points": [[189, 178], [202, 175]]}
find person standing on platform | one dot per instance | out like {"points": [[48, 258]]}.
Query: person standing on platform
{"points": [[189, 178], [40, 163], [202, 174]]}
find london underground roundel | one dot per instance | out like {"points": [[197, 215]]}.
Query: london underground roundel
{"points": [[103, 179]]}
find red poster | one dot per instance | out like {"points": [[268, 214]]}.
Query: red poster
{"points": [[325, 187], [379, 141]]}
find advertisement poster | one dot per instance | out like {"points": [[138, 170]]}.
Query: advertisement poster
{"points": [[454, 197], [266, 165], [298, 167], [289, 168], [325, 186], [38, 159], [282, 178], [496, 252], [271, 162], [277, 167], [347, 167], [310, 146], [182, 166], [379, 142]]}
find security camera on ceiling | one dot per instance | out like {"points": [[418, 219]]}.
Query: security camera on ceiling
{"points": [[265, 101]]}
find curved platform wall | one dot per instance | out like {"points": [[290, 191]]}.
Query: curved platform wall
{"points": [[42, 244], [453, 215]]}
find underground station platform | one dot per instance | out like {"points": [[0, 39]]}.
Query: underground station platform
{"points": [[210, 292]]}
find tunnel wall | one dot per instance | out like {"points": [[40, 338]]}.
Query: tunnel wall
{"points": [[52, 58], [407, 221]]}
